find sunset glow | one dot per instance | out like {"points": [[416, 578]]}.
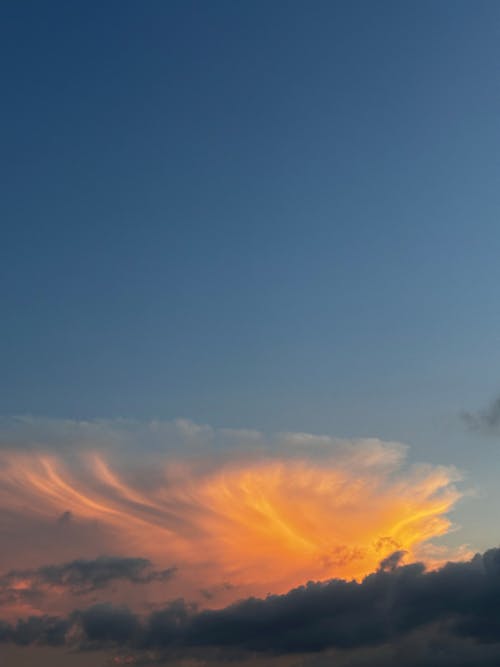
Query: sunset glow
{"points": [[244, 526]]}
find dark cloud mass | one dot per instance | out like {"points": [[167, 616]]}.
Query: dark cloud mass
{"points": [[459, 603], [78, 577], [486, 421]]}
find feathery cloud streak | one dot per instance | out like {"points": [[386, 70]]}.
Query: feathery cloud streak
{"points": [[235, 512]]}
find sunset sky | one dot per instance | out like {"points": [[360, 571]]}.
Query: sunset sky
{"points": [[250, 350]]}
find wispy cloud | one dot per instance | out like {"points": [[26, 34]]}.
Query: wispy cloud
{"points": [[242, 512]]}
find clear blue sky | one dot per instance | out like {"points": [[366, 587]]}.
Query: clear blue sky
{"points": [[278, 215]]}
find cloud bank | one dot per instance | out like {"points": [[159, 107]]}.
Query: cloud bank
{"points": [[457, 605]]}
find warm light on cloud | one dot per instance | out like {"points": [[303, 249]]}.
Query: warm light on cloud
{"points": [[233, 521]]}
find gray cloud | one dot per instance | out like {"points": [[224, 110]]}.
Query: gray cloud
{"points": [[392, 561], [131, 438], [78, 577], [485, 421], [458, 605], [427, 648], [47, 630]]}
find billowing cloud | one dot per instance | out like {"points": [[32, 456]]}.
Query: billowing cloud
{"points": [[389, 611]]}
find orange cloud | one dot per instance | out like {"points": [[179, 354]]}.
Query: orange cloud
{"points": [[238, 525]]}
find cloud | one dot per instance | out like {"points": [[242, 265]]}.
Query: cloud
{"points": [[245, 513], [392, 561], [386, 605], [428, 647], [131, 438], [485, 421], [386, 613], [77, 577], [36, 630]]}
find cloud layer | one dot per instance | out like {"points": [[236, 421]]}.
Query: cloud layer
{"points": [[457, 605]]}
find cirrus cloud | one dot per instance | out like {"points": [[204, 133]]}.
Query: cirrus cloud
{"points": [[238, 512]]}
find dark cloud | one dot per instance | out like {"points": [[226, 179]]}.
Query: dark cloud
{"points": [[212, 592], [485, 421], [78, 577], [89, 575], [47, 630], [392, 561], [430, 647], [103, 623], [65, 518], [394, 607]]}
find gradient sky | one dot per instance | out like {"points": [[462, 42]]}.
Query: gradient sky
{"points": [[272, 216]]}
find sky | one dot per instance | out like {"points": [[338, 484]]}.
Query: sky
{"points": [[250, 330]]}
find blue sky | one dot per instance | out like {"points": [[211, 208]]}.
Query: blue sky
{"points": [[280, 216]]}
